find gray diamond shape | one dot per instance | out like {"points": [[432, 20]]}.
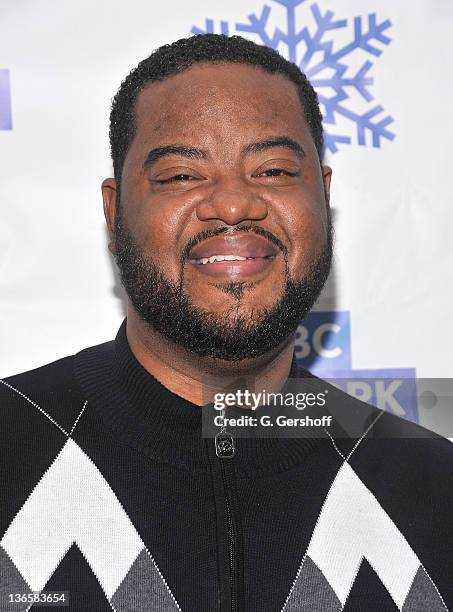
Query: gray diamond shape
{"points": [[11, 581], [312, 592], [422, 595], [143, 589]]}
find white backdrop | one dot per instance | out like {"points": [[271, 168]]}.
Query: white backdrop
{"points": [[64, 60]]}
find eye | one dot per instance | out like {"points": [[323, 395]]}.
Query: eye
{"points": [[176, 178], [277, 172]]}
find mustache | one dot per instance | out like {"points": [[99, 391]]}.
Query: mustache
{"points": [[254, 229]]}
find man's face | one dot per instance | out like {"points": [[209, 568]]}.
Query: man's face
{"points": [[223, 164]]}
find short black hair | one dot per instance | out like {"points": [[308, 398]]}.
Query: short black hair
{"points": [[181, 55]]}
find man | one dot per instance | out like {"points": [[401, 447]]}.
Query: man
{"points": [[218, 215]]}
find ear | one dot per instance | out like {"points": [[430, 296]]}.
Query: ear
{"points": [[326, 177], [109, 191]]}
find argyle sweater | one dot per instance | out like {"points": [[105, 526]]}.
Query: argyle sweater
{"points": [[110, 494]]}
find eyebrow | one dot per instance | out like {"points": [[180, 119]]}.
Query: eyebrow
{"points": [[275, 141], [183, 151], [194, 153]]}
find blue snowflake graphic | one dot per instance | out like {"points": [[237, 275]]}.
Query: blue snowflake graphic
{"points": [[326, 65]]}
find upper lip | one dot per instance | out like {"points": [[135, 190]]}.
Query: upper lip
{"points": [[244, 245]]}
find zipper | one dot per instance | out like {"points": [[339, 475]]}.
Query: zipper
{"points": [[225, 448], [232, 551]]}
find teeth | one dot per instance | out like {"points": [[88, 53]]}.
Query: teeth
{"points": [[213, 258]]}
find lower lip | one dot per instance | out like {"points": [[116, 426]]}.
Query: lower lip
{"points": [[235, 269]]}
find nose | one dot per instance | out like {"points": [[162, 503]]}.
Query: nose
{"points": [[232, 205]]}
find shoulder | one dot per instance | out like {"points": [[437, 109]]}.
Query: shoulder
{"points": [[407, 453], [52, 391], [384, 432], [51, 375], [390, 453], [47, 391]]}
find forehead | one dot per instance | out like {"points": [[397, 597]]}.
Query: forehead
{"points": [[214, 102]]}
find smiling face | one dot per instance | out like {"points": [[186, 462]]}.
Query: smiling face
{"points": [[223, 227]]}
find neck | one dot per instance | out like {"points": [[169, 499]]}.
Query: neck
{"points": [[197, 379]]}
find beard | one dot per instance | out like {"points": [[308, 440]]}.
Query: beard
{"points": [[166, 308]]}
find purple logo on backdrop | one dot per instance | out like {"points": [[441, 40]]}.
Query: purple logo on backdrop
{"points": [[337, 58], [323, 341], [323, 346], [394, 390], [5, 101]]}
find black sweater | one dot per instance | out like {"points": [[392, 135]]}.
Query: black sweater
{"points": [[109, 492]]}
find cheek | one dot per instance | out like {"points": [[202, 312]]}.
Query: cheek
{"points": [[305, 222], [155, 234], [158, 242], [310, 212], [152, 223], [309, 225], [308, 240]]}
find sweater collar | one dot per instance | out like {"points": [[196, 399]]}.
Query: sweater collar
{"points": [[144, 414]]}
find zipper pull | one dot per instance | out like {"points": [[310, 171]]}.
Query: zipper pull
{"points": [[224, 442]]}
